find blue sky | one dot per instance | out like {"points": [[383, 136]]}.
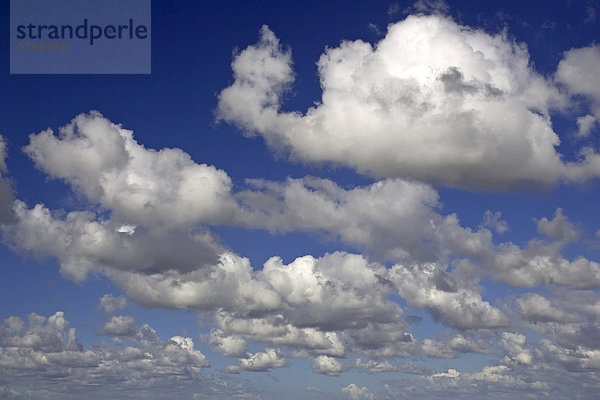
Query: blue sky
{"points": [[305, 200]]}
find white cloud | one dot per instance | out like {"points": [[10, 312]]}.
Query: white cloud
{"points": [[120, 326], [390, 219], [229, 346], [448, 301], [327, 366], [539, 264], [300, 305], [586, 124], [276, 330], [453, 345], [357, 393], [494, 221], [428, 101], [181, 350], [229, 284], [578, 71], [536, 308], [324, 308], [559, 229], [516, 352], [140, 186], [42, 334], [83, 242], [109, 303], [450, 373], [263, 361], [376, 367], [48, 349]]}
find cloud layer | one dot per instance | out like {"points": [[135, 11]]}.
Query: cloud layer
{"points": [[426, 105]]}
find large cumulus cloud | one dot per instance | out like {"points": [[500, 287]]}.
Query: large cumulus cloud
{"points": [[433, 100]]}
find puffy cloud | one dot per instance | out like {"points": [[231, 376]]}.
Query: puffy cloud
{"points": [[494, 221], [167, 264], [539, 264], [448, 301], [41, 334], [376, 367], [537, 308], [229, 284], [263, 361], [83, 242], [325, 308], [110, 303], [336, 291], [559, 229], [586, 124], [450, 373], [276, 331], [496, 374], [47, 349], [120, 326], [428, 101], [453, 345], [140, 186], [577, 70], [327, 366], [514, 344], [578, 358], [300, 305], [390, 219], [181, 350], [328, 306], [357, 393], [229, 346]]}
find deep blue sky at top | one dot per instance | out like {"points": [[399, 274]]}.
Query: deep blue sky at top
{"points": [[192, 47]]}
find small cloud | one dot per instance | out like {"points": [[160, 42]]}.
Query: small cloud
{"points": [[494, 221], [232, 369], [429, 7], [591, 15], [327, 366], [393, 9], [312, 389], [357, 393], [263, 361], [110, 303], [585, 125], [450, 373], [127, 229], [373, 27], [559, 229], [121, 327]]}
